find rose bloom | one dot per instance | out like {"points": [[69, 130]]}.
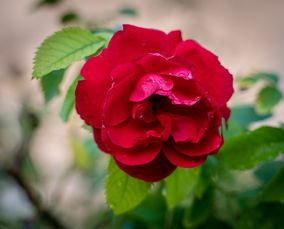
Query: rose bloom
{"points": [[154, 101]]}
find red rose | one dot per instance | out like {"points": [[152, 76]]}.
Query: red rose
{"points": [[155, 102]]}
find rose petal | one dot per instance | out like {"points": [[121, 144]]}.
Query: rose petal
{"points": [[138, 155], [98, 139], [149, 84], [215, 79], [154, 171], [143, 111], [133, 132], [182, 160], [133, 42], [174, 39], [189, 128], [184, 92], [89, 100], [97, 68], [211, 141], [157, 64]]}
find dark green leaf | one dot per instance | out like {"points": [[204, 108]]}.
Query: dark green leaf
{"points": [[250, 80], [179, 185], [50, 84], [63, 48], [274, 190], [267, 99], [122, 191], [152, 210], [245, 151], [69, 100], [267, 170], [263, 216], [69, 17], [200, 210], [246, 114]]}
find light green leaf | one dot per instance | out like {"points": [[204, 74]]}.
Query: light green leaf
{"points": [[50, 84], [267, 98], [250, 80], [246, 150], [274, 190], [180, 184], [69, 100], [234, 129], [63, 48], [122, 191]]}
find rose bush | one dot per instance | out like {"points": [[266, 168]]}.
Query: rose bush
{"points": [[154, 101]]}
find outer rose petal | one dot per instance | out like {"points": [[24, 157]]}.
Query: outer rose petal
{"points": [[154, 171], [133, 42], [174, 39], [182, 160], [89, 101], [98, 139], [138, 155], [210, 142], [208, 71], [97, 68]]}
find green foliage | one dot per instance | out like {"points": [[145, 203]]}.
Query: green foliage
{"points": [[250, 80], [274, 190], [246, 114], [262, 216], [200, 210], [234, 129], [69, 100], [267, 170], [50, 84], [246, 150], [267, 98], [63, 48], [180, 184], [122, 191]]}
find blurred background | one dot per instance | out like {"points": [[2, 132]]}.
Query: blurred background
{"points": [[59, 160]]}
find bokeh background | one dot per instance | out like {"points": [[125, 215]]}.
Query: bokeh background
{"points": [[246, 35]]}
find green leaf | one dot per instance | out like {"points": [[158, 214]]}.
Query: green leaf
{"points": [[200, 210], [246, 150], [246, 114], [50, 84], [250, 80], [69, 100], [274, 190], [63, 48], [180, 184], [267, 98], [122, 191]]}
